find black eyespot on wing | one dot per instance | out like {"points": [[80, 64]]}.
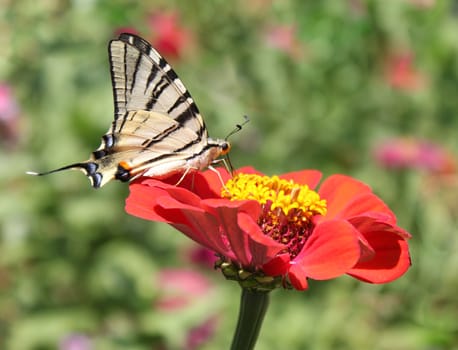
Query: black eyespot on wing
{"points": [[108, 140], [99, 154], [91, 171], [90, 167], [122, 174], [96, 180]]}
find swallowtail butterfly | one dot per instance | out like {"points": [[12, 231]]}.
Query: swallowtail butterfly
{"points": [[157, 128]]}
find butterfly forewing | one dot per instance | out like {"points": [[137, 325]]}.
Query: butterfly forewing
{"points": [[143, 80]]}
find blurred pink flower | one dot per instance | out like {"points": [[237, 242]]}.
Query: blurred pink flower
{"points": [[284, 38], [197, 336], [426, 4], [9, 117], [401, 73], [357, 8], [201, 256], [180, 288], [169, 37], [76, 342], [410, 153]]}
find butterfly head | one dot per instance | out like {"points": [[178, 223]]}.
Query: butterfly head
{"points": [[218, 148], [225, 147]]}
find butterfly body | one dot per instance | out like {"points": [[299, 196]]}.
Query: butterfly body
{"points": [[157, 129]]}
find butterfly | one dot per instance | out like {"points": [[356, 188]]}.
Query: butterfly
{"points": [[157, 128]]}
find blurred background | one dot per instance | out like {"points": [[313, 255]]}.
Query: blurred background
{"points": [[364, 88]]}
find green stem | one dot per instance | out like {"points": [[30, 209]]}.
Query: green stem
{"points": [[253, 307]]}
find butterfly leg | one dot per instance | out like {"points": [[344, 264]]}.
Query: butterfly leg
{"points": [[184, 175], [227, 164], [219, 176]]}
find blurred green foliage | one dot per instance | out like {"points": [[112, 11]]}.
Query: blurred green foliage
{"points": [[73, 262]]}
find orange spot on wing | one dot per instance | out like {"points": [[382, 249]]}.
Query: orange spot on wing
{"points": [[123, 164]]}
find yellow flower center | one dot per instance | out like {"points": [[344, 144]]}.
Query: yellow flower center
{"points": [[287, 207]]}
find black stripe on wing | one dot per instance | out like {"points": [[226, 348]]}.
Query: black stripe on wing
{"points": [[176, 154], [150, 83], [159, 137], [136, 70]]}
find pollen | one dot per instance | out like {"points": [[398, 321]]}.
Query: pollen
{"points": [[287, 207]]}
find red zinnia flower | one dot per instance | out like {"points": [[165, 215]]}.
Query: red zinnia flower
{"points": [[269, 230], [402, 74], [169, 36]]}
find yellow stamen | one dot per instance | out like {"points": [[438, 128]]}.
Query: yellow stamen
{"points": [[297, 202]]}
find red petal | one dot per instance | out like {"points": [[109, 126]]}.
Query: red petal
{"points": [[391, 259], [304, 177], [262, 247], [229, 231], [142, 200], [374, 221], [298, 277], [330, 251], [338, 190], [208, 184], [363, 204], [158, 201], [226, 227], [248, 170], [278, 266], [240, 232], [144, 196], [197, 224]]}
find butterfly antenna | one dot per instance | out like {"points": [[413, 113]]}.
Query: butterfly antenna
{"points": [[67, 167], [238, 127]]}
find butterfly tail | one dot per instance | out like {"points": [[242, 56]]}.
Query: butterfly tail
{"points": [[88, 168]]}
